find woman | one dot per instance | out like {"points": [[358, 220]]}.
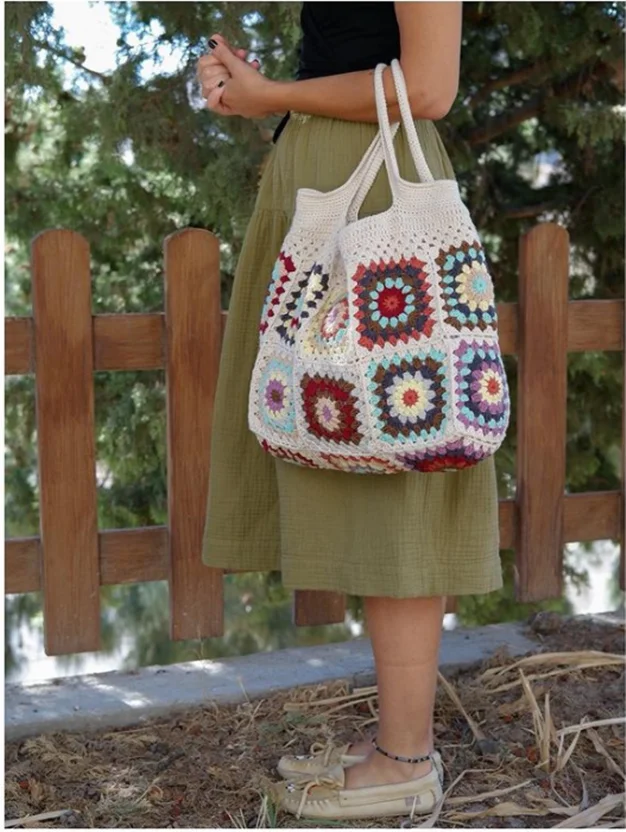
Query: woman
{"points": [[402, 541]]}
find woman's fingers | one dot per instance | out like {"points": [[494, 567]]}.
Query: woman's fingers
{"points": [[210, 71], [240, 53], [213, 75], [206, 60], [213, 101], [209, 62], [210, 76], [243, 54], [212, 84], [222, 39], [211, 89]]}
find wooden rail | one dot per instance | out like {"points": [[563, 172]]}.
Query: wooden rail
{"points": [[63, 344]]}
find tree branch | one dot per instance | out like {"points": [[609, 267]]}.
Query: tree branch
{"points": [[526, 211], [519, 76], [503, 124], [569, 88], [60, 54]]}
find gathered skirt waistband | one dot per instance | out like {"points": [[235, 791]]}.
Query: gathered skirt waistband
{"points": [[321, 153]]}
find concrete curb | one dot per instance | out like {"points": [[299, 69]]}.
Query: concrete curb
{"points": [[116, 699]]}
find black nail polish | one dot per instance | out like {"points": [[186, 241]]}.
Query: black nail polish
{"points": [[212, 44]]}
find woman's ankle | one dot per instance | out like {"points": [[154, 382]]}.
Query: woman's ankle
{"points": [[397, 770], [396, 746], [388, 751]]}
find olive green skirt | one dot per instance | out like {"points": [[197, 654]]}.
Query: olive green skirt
{"points": [[400, 535]]}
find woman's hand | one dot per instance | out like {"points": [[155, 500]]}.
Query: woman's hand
{"points": [[232, 86], [212, 73]]}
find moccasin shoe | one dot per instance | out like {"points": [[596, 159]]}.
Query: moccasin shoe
{"points": [[321, 757], [325, 796], [328, 755]]}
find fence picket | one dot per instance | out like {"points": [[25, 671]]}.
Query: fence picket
{"points": [[193, 323], [312, 607], [542, 409], [622, 561], [66, 442]]}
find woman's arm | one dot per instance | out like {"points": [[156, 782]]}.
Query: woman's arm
{"points": [[430, 43]]}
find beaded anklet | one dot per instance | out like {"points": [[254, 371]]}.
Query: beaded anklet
{"points": [[400, 759]]}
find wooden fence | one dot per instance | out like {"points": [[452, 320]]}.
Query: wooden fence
{"points": [[63, 343]]}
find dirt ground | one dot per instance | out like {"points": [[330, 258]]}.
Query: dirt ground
{"points": [[506, 730]]}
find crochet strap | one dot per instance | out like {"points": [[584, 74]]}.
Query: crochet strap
{"points": [[382, 148], [421, 165], [369, 174]]}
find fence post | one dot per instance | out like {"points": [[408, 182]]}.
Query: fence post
{"points": [[66, 441], [622, 560], [193, 326], [315, 606], [542, 411]]}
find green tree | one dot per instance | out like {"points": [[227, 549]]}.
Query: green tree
{"points": [[125, 157]]}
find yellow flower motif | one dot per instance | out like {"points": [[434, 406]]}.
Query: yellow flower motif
{"points": [[474, 286], [410, 398], [491, 387]]}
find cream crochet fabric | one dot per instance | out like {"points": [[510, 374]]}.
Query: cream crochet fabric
{"points": [[378, 341]]}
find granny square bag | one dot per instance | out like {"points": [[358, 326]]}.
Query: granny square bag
{"points": [[378, 340]]}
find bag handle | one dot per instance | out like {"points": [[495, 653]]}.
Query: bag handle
{"points": [[385, 148], [415, 147], [419, 159], [377, 159]]}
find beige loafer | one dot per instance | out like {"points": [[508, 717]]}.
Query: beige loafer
{"points": [[325, 796], [321, 756], [327, 755]]}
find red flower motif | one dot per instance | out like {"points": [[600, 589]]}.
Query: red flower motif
{"points": [[397, 313], [321, 392]]}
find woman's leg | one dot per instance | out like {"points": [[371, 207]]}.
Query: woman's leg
{"points": [[405, 635]]}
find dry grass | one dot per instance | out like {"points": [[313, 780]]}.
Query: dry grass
{"points": [[526, 744]]}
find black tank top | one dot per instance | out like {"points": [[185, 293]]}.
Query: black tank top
{"points": [[344, 37]]}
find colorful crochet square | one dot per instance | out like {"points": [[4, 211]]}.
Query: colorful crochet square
{"points": [[361, 464], [276, 396], [481, 387], [328, 330], [283, 267], [452, 456], [305, 296], [467, 288], [409, 396], [330, 408], [285, 453], [393, 302]]}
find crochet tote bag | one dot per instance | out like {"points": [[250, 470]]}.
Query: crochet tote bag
{"points": [[378, 342]]}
